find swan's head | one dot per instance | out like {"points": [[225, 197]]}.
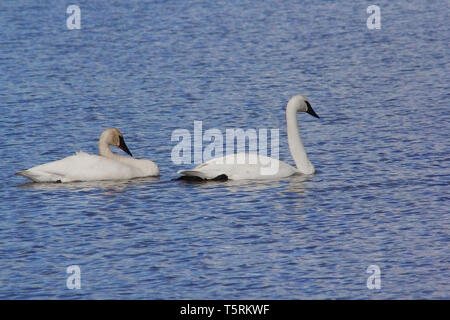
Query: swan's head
{"points": [[301, 104], [114, 137]]}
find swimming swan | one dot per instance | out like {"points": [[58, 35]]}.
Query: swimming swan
{"points": [[86, 167], [239, 166]]}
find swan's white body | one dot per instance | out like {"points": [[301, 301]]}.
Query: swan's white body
{"points": [[240, 167], [87, 167]]}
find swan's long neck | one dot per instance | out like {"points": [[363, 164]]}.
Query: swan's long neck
{"points": [[295, 143], [105, 151]]}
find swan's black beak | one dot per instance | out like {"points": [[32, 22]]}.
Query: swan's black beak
{"points": [[123, 146], [311, 111]]}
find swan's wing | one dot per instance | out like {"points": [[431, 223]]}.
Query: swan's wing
{"points": [[241, 166], [80, 167]]}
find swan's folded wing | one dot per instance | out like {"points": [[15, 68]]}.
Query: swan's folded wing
{"points": [[80, 167]]}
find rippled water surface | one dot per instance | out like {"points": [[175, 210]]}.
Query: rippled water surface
{"points": [[381, 148]]}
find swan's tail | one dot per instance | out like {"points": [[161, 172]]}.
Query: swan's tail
{"points": [[39, 176], [27, 174]]}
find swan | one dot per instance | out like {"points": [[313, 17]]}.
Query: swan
{"points": [[86, 167], [239, 167]]}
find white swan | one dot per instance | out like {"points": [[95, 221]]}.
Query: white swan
{"points": [[87, 167], [239, 167]]}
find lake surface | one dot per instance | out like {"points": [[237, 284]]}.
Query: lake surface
{"points": [[381, 149]]}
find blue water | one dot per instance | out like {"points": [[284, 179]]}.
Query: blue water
{"points": [[381, 149]]}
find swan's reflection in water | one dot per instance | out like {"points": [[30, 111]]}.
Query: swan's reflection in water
{"points": [[106, 185], [295, 183]]}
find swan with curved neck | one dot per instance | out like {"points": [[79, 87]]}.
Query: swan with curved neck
{"points": [[239, 167], [297, 104], [87, 167]]}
